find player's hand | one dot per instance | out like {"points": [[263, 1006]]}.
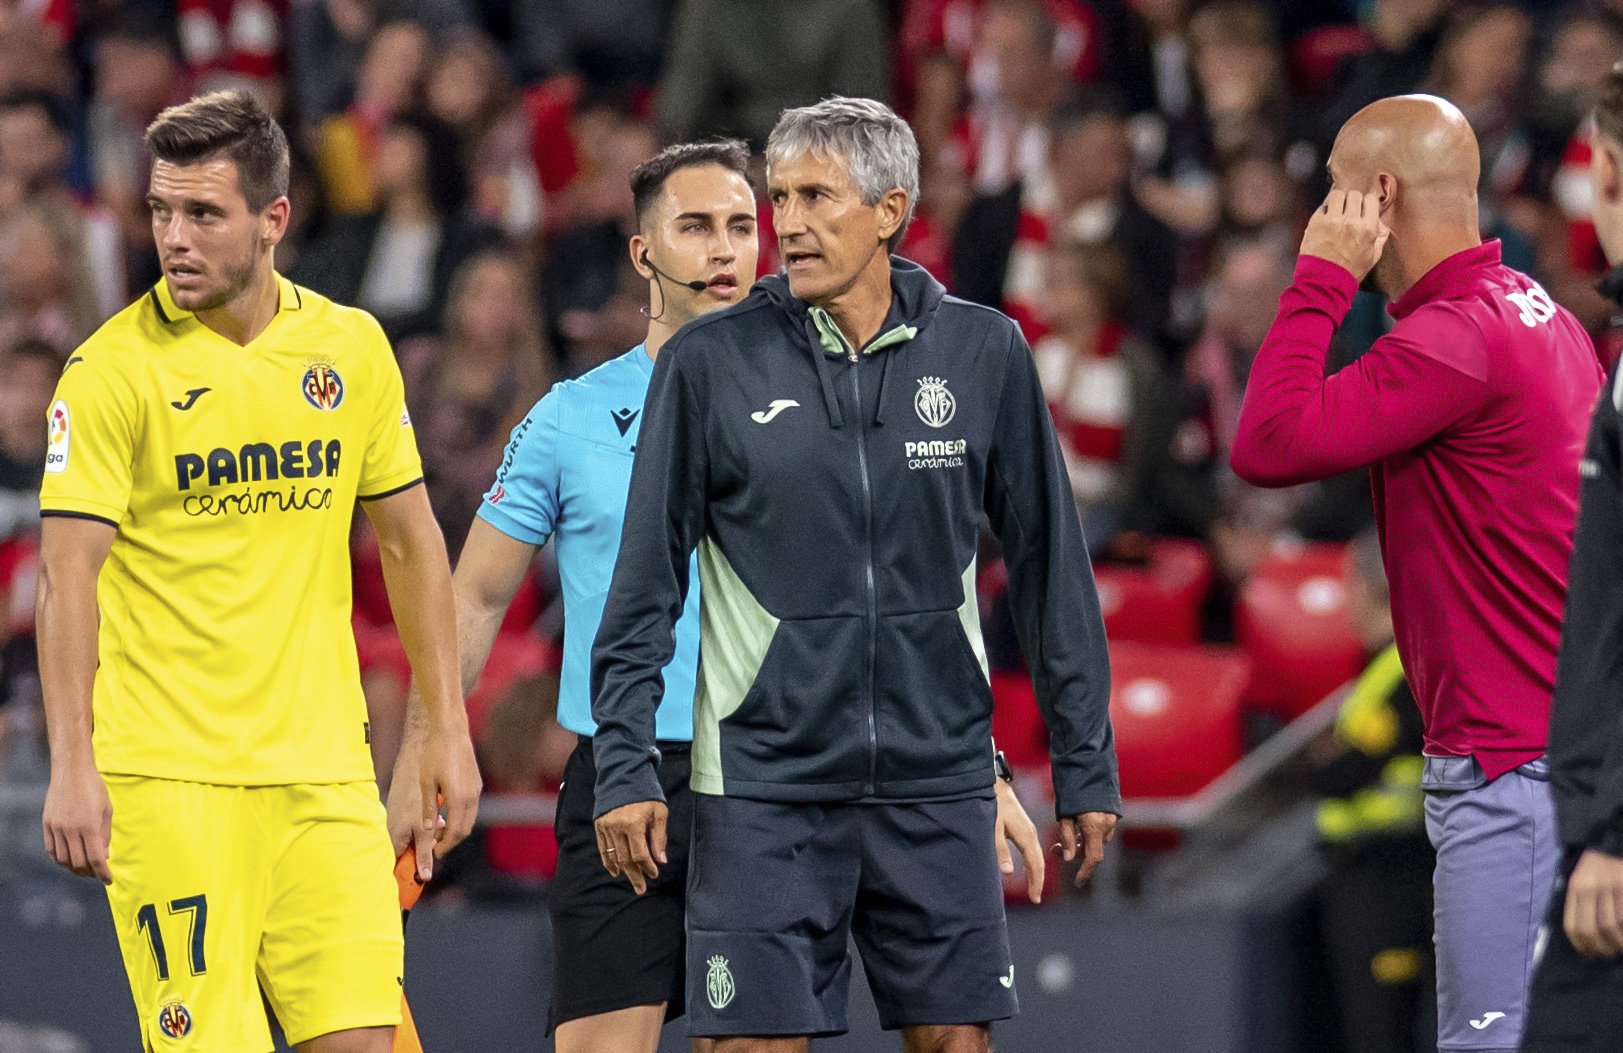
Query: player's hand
{"points": [[405, 799], [1089, 832], [448, 775], [1593, 916], [1013, 824], [1347, 230], [631, 841], [78, 821]]}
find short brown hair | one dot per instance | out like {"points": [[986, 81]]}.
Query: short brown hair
{"points": [[648, 178], [1609, 106], [229, 123]]}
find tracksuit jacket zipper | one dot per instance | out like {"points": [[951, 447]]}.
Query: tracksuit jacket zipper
{"points": [[872, 613]]}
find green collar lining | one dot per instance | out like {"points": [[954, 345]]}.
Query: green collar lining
{"points": [[835, 344]]}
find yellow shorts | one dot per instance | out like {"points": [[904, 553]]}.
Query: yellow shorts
{"points": [[221, 891]]}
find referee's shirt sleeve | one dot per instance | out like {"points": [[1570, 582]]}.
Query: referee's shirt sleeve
{"points": [[391, 463], [91, 428], [664, 521], [1051, 590], [523, 501]]}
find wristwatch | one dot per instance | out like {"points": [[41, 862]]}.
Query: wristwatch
{"points": [[1000, 764]]}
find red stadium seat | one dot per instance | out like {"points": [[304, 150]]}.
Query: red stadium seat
{"points": [[1176, 712], [1159, 602], [1291, 618], [1017, 724], [19, 569]]}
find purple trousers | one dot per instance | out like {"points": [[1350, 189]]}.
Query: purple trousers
{"points": [[1497, 857]]}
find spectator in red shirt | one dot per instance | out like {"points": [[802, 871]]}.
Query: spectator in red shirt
{"points": [[948, 55], [28, 373], [1004, 135], [230, 44], [137, 73], [590, 294], [1097, 376], [1471, 413], [1083, 194]]}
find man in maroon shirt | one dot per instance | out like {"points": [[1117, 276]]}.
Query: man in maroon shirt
{"points": [[1471, 414]]}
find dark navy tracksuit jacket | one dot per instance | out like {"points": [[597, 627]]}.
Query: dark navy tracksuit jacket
{"points": [[835, 498]]}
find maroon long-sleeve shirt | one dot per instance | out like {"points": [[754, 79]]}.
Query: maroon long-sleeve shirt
{"points": [[1471, 415]]}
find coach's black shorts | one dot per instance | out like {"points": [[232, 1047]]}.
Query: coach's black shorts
{"points": [[775, 890], [1576, 1003], [614, 949]]}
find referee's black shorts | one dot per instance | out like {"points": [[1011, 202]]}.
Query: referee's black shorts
{"points": [[614, 949], [1576, 1003]]}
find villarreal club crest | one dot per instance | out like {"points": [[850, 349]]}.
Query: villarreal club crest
{"points": [[174, 1020], [323, 387]]}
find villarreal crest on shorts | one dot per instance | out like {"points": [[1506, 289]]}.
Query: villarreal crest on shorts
{"points": [[230, 474]]}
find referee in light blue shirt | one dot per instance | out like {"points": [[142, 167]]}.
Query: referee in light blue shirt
{"points": [[564, 476], [618, 966]]}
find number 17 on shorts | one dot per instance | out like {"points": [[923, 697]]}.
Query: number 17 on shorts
{"points": [[221, 892]]}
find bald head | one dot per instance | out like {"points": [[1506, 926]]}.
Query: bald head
{"points": [[1417, 156], [1421, 142]]}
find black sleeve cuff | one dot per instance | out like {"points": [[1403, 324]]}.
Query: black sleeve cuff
{"points": [[49, 513], [1609, 838], [402, 488]]}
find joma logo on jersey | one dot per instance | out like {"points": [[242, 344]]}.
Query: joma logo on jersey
{"points": [[259, 462]]}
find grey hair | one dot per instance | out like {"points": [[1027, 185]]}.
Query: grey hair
{"points": [[877, 146]]}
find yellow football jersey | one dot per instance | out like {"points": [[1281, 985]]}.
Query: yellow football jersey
{"points": [[231, 475]]}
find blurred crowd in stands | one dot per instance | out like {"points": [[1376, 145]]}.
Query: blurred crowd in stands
{"points": [[1127, 178]]}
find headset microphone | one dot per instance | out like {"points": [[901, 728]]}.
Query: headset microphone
{"points": [[696, 286]]}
